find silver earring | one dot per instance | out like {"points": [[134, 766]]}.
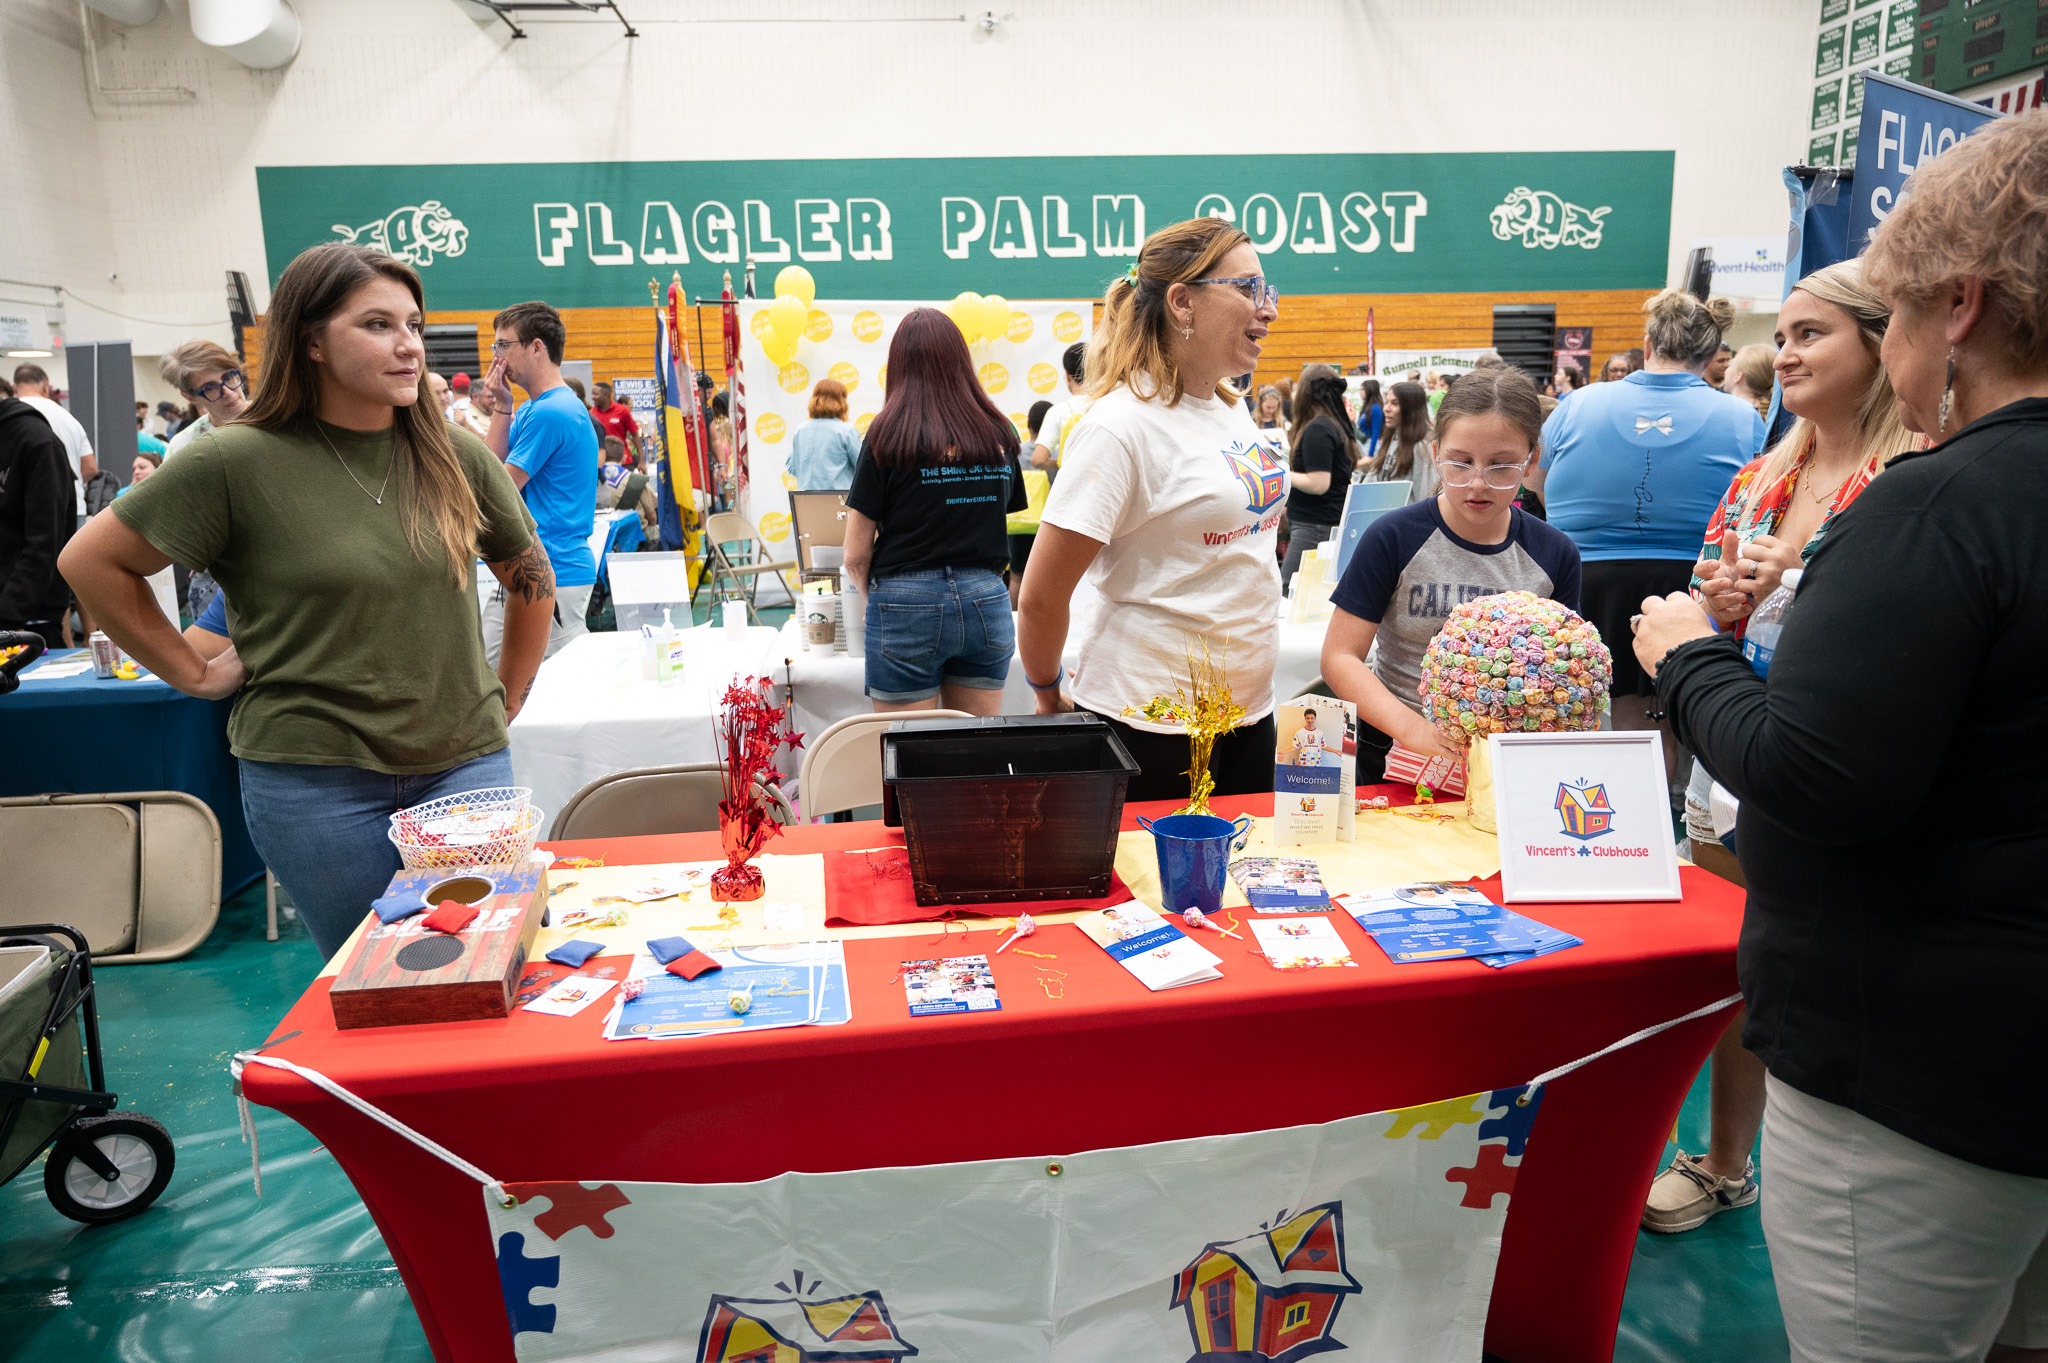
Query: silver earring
{"points": [[1948, 392], [1187, 333]]}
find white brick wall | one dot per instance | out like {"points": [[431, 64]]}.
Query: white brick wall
{"points": [[163, 194]]}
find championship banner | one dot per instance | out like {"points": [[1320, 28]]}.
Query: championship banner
{"points": [[1376, 1236], [849, 341]]}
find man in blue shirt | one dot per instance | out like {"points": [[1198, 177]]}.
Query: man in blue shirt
{"points": [[550, 449]]}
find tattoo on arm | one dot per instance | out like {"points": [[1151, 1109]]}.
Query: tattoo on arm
{"points": [[528, 575]]}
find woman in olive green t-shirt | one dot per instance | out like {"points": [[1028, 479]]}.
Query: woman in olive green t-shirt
{"points": [[343, 517]]}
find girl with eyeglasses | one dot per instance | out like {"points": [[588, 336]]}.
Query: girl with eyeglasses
{"points": [[1168, 503], [1415, 565]]}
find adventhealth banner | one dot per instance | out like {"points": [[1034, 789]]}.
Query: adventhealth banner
{"points": [[589, 234]]}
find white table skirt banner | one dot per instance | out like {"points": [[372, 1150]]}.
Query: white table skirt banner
{"points": [[830, 685], [849, 341], [593, 712], [1375, 1235]]}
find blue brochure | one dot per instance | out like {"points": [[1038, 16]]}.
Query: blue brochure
{"points": [[797, 985], [1440, 922]]}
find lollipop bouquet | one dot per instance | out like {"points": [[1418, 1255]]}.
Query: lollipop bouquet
{"points": [[1511, 663]]}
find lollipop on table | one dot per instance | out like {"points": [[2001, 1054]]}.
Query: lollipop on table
{"points": [[1514, 663], [1511, 663]]}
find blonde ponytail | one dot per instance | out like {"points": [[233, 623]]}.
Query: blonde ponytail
{"points": [[1133, 347]]}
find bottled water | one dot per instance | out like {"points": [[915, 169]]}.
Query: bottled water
{"points": [[1760, 640]]}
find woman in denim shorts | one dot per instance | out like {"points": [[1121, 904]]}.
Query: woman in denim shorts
{"points": [[926, 528]]}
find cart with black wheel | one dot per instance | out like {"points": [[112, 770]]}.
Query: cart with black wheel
{"points": [[104, 1165]]}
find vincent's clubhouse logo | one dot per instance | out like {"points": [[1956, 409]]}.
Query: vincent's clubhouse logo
{"points": [[413, 235], [1584, 810], [1260, 475]]}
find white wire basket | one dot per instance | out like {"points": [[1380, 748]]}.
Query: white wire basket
{"points": [[475, 828]]}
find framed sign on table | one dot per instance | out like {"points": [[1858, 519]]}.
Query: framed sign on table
{"points": [[1584, 817]]}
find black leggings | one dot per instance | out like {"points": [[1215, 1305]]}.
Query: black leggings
{"points": [[1242, 761]]}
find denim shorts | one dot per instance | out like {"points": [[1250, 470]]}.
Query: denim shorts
{"points": [[934, 626]]}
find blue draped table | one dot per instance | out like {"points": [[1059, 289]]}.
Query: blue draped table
{"points": [[81, 735]]}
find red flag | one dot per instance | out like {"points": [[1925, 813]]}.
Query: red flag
{"points": [[735, 387]]}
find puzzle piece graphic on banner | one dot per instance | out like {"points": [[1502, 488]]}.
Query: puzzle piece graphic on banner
{"points": [[518, 1276], [1435, 1119], [1489, 1176], [571, 1205], [1514, 1123]]}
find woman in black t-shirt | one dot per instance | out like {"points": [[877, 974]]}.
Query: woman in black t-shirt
{"points": [[1325, 451], [927, 529]]}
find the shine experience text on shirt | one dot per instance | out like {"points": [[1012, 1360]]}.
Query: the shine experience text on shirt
{"points": [[967, 484]]}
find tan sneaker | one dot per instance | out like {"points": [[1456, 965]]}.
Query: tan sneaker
{"points": [[1688, 1195]]}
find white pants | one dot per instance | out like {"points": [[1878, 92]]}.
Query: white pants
{"points": [[1885, 1251], [570, 605]]}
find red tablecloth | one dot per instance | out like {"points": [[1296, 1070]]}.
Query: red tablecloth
{"points": [[542, 1098]]}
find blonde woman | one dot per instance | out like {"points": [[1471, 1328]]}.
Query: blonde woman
{"points": [[343, 518], [1893, 946], [1750, 376], [1776, 514], [1167, 504]]}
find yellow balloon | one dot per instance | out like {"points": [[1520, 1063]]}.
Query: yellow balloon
{"points": [[965, 310], [780, 349], [787, 316], [795, 279], [995, 317]]}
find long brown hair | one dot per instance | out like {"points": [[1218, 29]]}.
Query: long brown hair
{"points": [[311, 291], [1321, 398], [1405, 441], [1133, 346], [936, 411]]}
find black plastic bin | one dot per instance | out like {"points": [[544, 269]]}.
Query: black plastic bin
{"points": [[1014, 807]]}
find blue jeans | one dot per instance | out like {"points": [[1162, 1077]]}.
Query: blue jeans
{"points": [[938, 625], [324, 831]]}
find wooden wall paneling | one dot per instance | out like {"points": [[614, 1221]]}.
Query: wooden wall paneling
{"points": [[1321, 328]]}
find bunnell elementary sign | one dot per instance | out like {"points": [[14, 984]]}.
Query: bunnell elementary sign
{"points": [[588, 235]]}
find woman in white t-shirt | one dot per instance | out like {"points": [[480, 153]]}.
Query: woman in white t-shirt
{"points": [[1167, 503]]}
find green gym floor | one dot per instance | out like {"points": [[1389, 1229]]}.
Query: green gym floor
{"points": [[212, 1273]]}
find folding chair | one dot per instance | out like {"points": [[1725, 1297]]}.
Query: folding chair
{"points": [[843, 766], [652, 800], [741, 571]]}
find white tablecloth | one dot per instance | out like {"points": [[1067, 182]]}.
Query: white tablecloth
{"points": [[829, 686], [592, 713]]}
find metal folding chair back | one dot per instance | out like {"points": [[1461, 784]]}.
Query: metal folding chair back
{"points": [[651, 800], [843, 766], [741, 571]]}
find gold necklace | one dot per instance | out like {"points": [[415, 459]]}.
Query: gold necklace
{"points": [[1826, 496], [378, 495]]}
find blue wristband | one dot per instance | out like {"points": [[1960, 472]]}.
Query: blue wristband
{"points": [[1053, 685]]}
